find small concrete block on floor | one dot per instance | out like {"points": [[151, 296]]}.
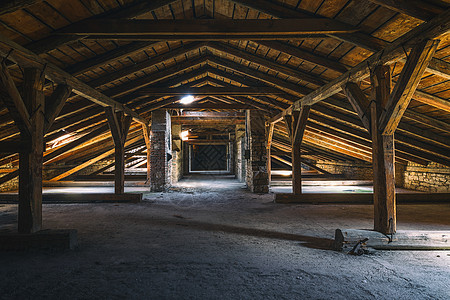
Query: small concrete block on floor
{"points": [[63, 239], [346, 239]]}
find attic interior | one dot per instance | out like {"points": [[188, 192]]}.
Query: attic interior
{"points": [[246, 126]]}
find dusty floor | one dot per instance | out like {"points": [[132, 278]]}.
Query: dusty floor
{"points": [[214, 240]]}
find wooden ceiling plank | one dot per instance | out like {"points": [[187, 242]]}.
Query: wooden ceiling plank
{"points": [[360, 39], [267, 63], [52, 42], [415, 8]]}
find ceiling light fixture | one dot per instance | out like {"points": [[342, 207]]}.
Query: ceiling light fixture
{"points": [[187, 99]]}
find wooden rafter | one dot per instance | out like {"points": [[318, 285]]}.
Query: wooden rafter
{"points": [[28, 59], [406, 85]]}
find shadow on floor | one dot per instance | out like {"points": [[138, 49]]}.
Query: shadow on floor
{"points": [[306, 241]]}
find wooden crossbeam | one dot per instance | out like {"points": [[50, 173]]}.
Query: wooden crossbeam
{"points": [[209, 28], [219, 106], [28, 59], [406, 85], [208, 91]]}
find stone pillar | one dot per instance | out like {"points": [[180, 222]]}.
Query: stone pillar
{"points": [[257, 176], [240, 147], [160, 151]]}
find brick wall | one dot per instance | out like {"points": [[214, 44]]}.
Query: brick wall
{"points": [[432, 178]]}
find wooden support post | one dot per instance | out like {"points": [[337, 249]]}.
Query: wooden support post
{"points": [[119, 125], [30, 162], [296, 157], [382, 155], [146, 133], [386, 110], [269, 127], [296, 128]]}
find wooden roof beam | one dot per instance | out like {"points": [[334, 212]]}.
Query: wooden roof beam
{"points": [[208, 91], [426, 31]]}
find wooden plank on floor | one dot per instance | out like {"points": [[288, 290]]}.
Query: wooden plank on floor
{"points": [[360, 198], [78, 198]]}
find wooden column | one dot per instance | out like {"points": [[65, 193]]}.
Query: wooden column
{"points": [[296, 128], [119, 125], [382, 155], [146, 133], [269, 134], [30, 160], [33, 115], [381, 117]]}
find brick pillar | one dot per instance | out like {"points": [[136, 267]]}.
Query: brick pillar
{"points": [[257, 176], [160, 151]]}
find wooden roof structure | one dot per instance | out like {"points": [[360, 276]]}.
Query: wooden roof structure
{"points": [[276, 56]]}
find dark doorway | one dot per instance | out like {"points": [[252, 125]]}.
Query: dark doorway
{"points": [[209, 158]]}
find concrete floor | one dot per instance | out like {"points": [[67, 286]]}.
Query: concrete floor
{"points": [[212, 239]]}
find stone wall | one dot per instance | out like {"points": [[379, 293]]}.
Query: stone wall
{"points": [[358, 171], [177, 154], [257, 176], [350, 170], [432, 178], [160, 151]]}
